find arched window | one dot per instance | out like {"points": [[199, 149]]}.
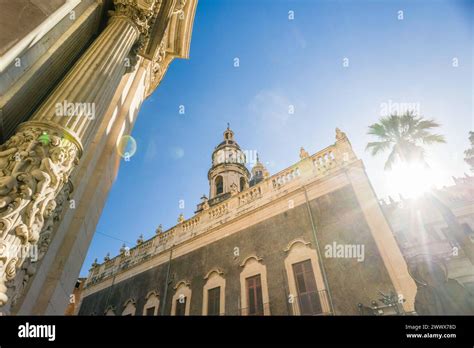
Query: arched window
{"points": [[109, 311], [181, 302], [305, 280], [242, 184], [152, 304], [214, 293], [219, 185], [253, 287], [129, 307]]}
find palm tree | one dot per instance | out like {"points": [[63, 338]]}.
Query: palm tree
{"points": [[470, 152], [405, 135]]}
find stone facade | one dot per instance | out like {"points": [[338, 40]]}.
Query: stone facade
{"points": [[299, 214]]}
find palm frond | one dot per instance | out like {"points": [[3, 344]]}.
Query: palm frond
{"points": [[378, 146], [391, 125], [433, 138], [378, 130], [427, 124], [391, 159]]}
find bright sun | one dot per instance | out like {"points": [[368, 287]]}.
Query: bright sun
{"points": [[411, 180]]}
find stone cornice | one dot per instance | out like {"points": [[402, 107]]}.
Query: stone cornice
{"points": [[169, 38]]}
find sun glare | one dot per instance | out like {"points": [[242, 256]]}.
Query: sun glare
{"points": [[411, 180]]}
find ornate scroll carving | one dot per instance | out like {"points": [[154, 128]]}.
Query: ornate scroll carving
{"points": [[142, 13], [18, 286], [35, 164]]}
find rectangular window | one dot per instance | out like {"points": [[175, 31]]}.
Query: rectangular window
{"points": [[308, 297], [150, 311], [254, 295], [214, 301], [181, 306]]}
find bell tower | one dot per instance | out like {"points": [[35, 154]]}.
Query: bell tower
{"points": [[228, 174]]}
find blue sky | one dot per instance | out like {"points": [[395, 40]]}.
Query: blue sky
{"points": [[285, 62]]}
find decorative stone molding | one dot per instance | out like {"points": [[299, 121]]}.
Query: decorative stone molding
{"points": [[18, 285], [250, 195], [139, 12], [182, 283], [234, 189], [303, 153], [35, 164], [294, 242], [142, 14], [248, 258], [214, 270], [343, 147], [219, 211], [159, 64], [150, 293], [190, 224], [178, 8]]}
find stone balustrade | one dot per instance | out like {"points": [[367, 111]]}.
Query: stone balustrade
{"points": [[250, 195], [190, 224], [287, 176], [218, 210], [325, 160]]}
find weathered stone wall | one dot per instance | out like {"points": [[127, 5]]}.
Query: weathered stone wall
{"points": [[338, 218]]}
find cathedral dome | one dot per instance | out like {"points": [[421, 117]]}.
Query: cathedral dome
{"points": [[228, 173], [228, 151]]}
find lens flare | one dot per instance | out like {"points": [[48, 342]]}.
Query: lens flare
{"points": [[411, 180], [127, 146]]}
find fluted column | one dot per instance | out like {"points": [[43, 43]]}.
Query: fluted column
{"points": [[37, 161]]}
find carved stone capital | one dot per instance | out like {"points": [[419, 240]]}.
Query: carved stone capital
{"points": [[35, 164], [139, 12]]}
